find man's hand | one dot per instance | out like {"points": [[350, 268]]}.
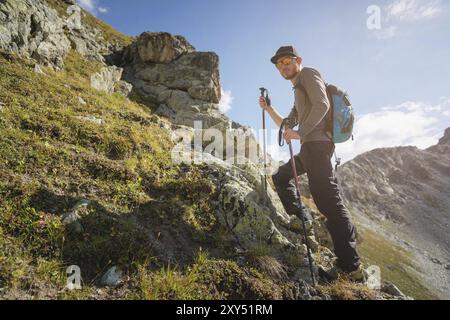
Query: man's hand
{"points": [[290, 135], [263, 103]]}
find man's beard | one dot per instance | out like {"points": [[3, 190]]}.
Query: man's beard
{"points": [[289, 76]]}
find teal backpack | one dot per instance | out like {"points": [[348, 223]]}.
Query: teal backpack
{"points": [[340, 118]]}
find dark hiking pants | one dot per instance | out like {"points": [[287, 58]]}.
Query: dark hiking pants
{"points": [[315, 160]]}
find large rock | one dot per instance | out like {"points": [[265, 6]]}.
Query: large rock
{"points": [[184, 83], [159, 47], [196, 73], [257, 221], [33, 29], [106, 79], [85, 39]]}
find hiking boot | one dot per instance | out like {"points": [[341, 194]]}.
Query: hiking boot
{"points": [[358, 275], [333, 274]]}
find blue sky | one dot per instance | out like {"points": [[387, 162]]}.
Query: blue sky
{"points": [[397, 74]]}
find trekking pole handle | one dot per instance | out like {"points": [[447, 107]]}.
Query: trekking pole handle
{"points": [[280, 133], [265, 94]]}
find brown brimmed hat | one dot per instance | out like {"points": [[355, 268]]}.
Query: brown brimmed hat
{"points": [[284, 51]]}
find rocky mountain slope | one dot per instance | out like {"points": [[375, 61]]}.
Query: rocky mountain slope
{"points": [[403, 193], [88, 122]]}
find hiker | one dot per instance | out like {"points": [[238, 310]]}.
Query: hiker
{"points": [[317, 147]]}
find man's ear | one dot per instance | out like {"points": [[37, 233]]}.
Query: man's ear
{"points": [[299, 60]]}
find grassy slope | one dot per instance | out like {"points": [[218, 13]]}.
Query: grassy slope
{"points": [[395, 264], [50, 158]]}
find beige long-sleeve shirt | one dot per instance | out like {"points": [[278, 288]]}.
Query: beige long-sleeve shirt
{"points": [[310, 107]]}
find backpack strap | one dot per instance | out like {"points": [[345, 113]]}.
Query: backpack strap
{"points": [[329, 116]]}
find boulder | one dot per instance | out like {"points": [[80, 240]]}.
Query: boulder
{"points": [[124, 88], [71, 218], [159, 47], [33, 29], [112, 277], [106, 79]]}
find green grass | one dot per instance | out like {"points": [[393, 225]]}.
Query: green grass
{"points": [[207, 278], [343, 289], [50, 159], [395, 264]]}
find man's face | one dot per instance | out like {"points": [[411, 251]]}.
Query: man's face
{"points": [[289, 66]]}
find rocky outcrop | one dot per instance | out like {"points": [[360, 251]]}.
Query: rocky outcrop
{"points": [[106, 79], [31, 28], [406, 198], [157, 47], [86, 40], [185, 83]]}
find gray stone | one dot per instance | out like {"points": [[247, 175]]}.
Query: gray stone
{"points": [[391, 289], [112, 278], [71, 218], [38, 69], [33, 29], [165, 111], [106, 79], [160, 47], [81, 100], [196, 73], [124, 88], [73, 22], [91, 119]]}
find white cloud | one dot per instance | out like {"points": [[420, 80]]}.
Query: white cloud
{"points": [[400, 12], [444, 106], [408, 124], [386, 33], [103, 10], [413, 10], [226, 101], [87, 4], [92, 6]]}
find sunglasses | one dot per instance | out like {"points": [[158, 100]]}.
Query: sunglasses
{"points": [[284, 62]]}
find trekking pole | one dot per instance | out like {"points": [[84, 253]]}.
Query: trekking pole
{"points": [[302, 212], [265, 95]]}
